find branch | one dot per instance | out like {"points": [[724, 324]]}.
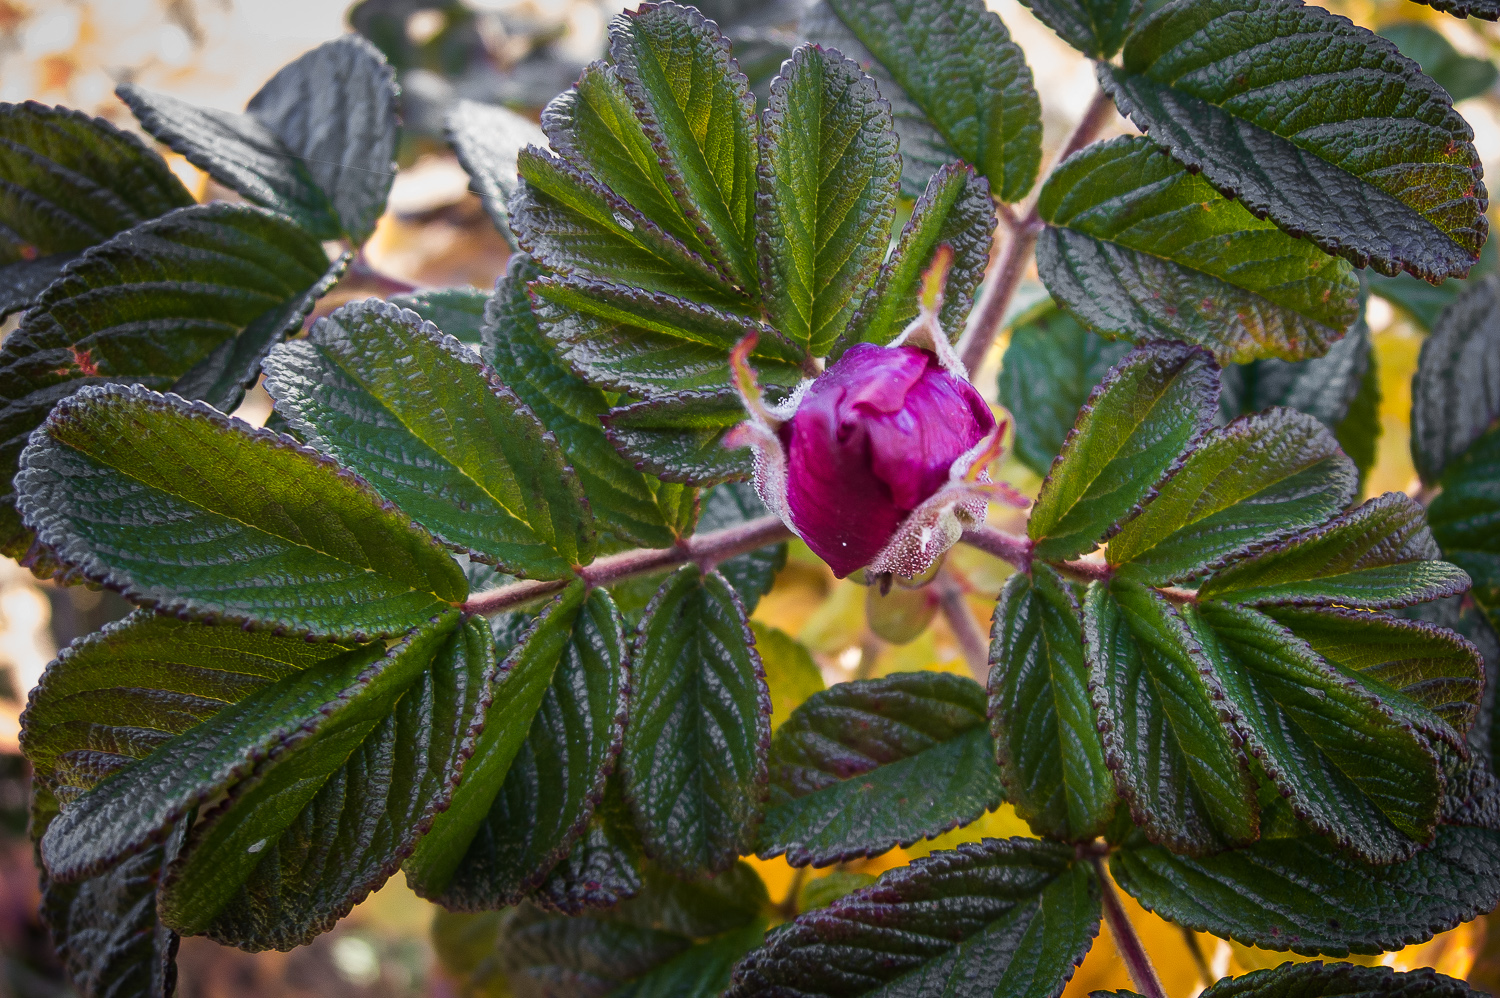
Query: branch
{"points": [[1005, 274], [955, 608], [707, 550], [1126, 941], [1018, 550]]}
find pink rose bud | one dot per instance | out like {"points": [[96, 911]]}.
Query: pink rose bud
{"points": [[874, 437]]}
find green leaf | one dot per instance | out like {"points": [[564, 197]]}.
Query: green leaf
{"points": [[68, 182], [317, 142], [1150, 407], [1456, 390], [557, 776], [1351, 757], [873, 764], [488, 139], [1139, 248], [588, 956], [1097, 28], [1002, 916], [1462, 76], [751, 574], [1345, 980], [1307, 895], [699, 115], [828, 176], [791, 674], [1320, 125], [680, 437], [435, 431], [187, 303], [701, 971], [703, 906], [288, 852], [1487, 10], [1465, 516], [955, 210], [603, 867], [519, 688], [959, 87], [630, 505], [459, 312], [185, 510], [1046, 738], [1177, 766], [1377, 556], [694, 760], [302, 721], [1325, 387], [1258, 480], [1049, 368]]}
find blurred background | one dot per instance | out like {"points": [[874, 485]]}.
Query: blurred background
{"points": [[520, 53]]}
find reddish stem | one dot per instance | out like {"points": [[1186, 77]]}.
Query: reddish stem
{"points": [[1126, 941], [971, 639]]}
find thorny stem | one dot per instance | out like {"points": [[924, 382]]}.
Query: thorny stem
{"points": [[1005, 273], [956, 611], [1126, 941]]}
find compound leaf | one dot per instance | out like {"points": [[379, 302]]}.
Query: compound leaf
{"points": [[432, 429], [1456, 390], [828, 174], [188, 511], [1321, 125], [959, 87], [1139, 248], [694, 760], [1257, 480], [1001, 916], [1046, 738], [872, 764], [1150, 407], [488, 139]]}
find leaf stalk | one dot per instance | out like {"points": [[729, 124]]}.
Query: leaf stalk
{"points": [[1137, 962]]}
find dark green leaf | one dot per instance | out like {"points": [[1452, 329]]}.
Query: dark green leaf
{"points": [[1177, 766], [959, 87], [603, 867], [1487, 10], [558, 774], [1051, 758], [1050, 366], [699, 115], [1377, 556], [680, 437], [632, 506], [487, 139], [459, 312], [1325, 387], [1461, 75], [1011, 917], [751, 574], [1465, 518], [1425, 302], [699, 972], [703, 906], [627, 339], [302, 721], [183, 509], [1097, 28], [520, 686], [1150, 407], [1341, 980], [1259, 479], [1358, 433], [22, 281], [317, 142], [188, 303], [288, 852], [69, 181], [583, 957], [434, 430], [1456, 390], [1307, 895], [695, 750], [956, 211], [1319, 124], [828, 177], [1139, 248]]}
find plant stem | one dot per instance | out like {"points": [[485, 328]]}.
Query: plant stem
{"points": [[956, 611], [707, 550], [1205, 972], [1017, 551], [1005, 273], [1126, 941]]}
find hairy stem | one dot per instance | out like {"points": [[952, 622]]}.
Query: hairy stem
{"points": [[955, 608], [1126, 941], [707, 550], [1005, 272]]}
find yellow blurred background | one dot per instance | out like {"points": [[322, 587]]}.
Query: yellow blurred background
{"points": [[435, 233]]}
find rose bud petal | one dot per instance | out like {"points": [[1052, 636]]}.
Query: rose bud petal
{"points": [[874, 437]]}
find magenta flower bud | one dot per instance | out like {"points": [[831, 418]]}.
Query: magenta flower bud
{"points": [[873, 438]]}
